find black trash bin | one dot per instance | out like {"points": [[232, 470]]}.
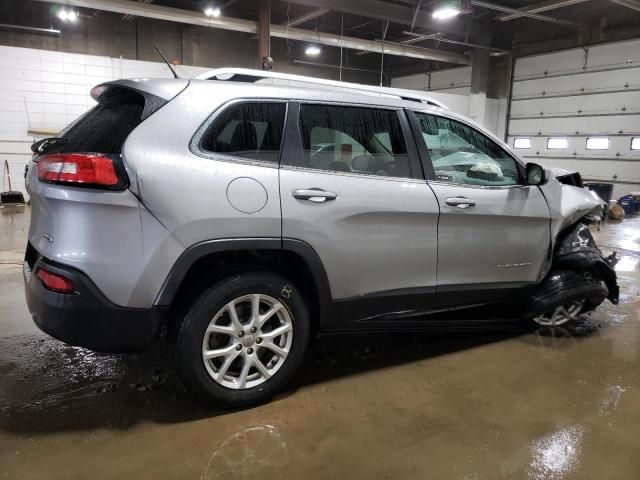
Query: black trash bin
{"points": [[603, 190]]}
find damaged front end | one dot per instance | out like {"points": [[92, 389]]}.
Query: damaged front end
{"points": [[577, 250], [578, 276]]}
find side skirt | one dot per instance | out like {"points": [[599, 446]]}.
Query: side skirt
{"points": [[448, 307]]}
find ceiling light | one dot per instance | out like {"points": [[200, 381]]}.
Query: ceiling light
{"points": [[312, 50], [212, 12], [445, 12], [67, 15]]}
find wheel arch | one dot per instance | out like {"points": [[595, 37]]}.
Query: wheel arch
{"points": [[207, 262]]}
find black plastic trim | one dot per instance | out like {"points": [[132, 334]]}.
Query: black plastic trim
{"points": [[195, 252], [423, 152], [86, 317]]}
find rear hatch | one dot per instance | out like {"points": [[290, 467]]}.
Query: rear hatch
{"points": [[78, 181]]}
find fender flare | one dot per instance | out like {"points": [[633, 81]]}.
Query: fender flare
{"points": [[194, 253]]}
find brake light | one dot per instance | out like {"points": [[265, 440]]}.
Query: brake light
{"points": [[55, 282], [80, 168]]}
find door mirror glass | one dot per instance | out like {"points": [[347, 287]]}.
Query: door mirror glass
{"points": [[535, 174]]}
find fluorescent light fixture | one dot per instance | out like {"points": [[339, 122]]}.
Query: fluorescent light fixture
{"points": [[522, 143], [557, 142], [445, 13], [597, 143], [212, 12], [635, 143], [312, 50], [67, 15]]}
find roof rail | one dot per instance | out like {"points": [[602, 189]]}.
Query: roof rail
{"points": [[251, 76]]}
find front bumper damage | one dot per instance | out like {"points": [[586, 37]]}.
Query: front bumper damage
{"points": [[577, 250]]}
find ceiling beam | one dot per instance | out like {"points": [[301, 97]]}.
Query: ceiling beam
{"points": [[191, 17], [535, 16], [545, 6], [305, 17], [632, 4], [392, 12]]}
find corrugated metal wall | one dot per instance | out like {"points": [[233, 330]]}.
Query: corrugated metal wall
{"points": [[577, 94], [44, 90]]}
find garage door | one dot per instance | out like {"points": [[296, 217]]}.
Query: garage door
{"points": [[580, 110]]}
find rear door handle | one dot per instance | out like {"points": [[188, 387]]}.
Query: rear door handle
{"points": [[314, 195], [460, 202]]}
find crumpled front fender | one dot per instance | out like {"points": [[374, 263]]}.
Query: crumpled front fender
{"points": [[567, 205], [577, 250]]}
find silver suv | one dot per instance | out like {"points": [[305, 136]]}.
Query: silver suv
{"points": [[243, 212]]}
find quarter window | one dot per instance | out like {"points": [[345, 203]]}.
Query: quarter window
{"points": [[247, 130], [461, 154], [361, 140]]}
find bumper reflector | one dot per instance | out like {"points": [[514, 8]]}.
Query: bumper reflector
{"points": [[55, 282]]}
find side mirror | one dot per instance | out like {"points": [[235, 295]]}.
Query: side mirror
{"points": [[535, 174]]}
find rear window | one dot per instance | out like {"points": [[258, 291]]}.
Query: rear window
{"points": [[105, 127]]}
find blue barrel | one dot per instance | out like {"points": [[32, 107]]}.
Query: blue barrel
{"points": [[628, 203]]}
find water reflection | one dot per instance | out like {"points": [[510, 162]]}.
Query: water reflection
{"points": [[554, 456], [256, 452]]}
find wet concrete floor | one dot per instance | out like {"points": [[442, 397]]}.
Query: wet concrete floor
{"points": [[562, 404]]}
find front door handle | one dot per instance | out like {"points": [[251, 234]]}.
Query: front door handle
{"points": [[460, 202], [314, 195]]}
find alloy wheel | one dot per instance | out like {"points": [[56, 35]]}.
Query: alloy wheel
{"points": [[247, 341], [560, 315]]}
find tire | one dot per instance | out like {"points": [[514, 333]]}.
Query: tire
{"points": [[211, 313], [562, 288]]}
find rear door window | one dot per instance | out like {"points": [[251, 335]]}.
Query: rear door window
{"points": [[350, 139], [247, 130]]}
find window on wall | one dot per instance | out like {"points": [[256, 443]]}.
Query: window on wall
{"points": [[635, 143], [461, 154], [557, 143], [247, 130], [597, 143], [522, 143], [348, 139]]}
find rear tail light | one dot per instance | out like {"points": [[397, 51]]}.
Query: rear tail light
{"points": [[54, 282], [90, 169]]}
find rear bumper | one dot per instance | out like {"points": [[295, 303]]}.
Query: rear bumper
{"points": [[86, 318]]}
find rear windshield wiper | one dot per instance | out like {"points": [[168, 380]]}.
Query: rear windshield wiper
{"points": [[42, 145]]}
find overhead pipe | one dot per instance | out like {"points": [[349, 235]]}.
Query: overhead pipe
{"points": [[171, 14], [522, 12], [545, 6]]}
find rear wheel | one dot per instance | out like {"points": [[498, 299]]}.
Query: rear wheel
{"points": [[563, 296], [243, 339]]}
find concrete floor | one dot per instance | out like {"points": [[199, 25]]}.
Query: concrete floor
{"points": [[537, 405]]}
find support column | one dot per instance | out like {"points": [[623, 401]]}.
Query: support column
{"points": [[479, 83], [264, 44]]}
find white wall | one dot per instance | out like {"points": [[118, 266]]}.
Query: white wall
{"points": [[576, 94], [44, 90]]}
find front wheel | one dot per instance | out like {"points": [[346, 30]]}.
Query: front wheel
{"points": [[243, 339], [563, 296]]}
